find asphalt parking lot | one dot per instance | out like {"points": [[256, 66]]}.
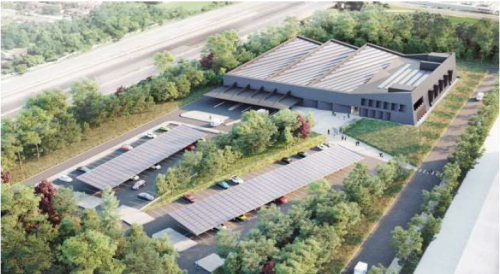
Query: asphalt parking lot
{"points": [[124, 192]]}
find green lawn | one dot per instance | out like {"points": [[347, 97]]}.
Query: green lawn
{"points": [[100, 135], [415, 142]]}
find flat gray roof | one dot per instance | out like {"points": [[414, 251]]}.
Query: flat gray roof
{"points": [[229, 204], [135, 161]]}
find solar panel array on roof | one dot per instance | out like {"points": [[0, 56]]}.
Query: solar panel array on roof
{"points": [[357, 70], [229, 204], [315, 64], [276, 59], [406, 76], [131, 163]]}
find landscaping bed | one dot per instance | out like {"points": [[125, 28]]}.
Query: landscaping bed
{"points": [[248, 164], [415, 142]]}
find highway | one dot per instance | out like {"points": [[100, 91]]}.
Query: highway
{"points": [[130, 60]]}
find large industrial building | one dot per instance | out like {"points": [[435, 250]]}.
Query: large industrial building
{"points": [[369, 81]]}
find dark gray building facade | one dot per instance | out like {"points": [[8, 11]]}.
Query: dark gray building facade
{"points": [[369, 81]]}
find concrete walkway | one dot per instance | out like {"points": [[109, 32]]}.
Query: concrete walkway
{"points": [[329, 125], [376, 249]]}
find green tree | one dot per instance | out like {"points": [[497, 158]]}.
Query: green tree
{"points": [[162, 60], [378, 269], [26, 233], [89, 104], [406, 243], [110, 220], [430, 229], [91, 251], [253, 134], [145, 255], [483, 37], [161, 186], [227, 240], [224, 47], [34, 124]]}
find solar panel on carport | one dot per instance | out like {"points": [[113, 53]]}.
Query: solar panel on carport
{"points": [[133, 162], [229, 204]]}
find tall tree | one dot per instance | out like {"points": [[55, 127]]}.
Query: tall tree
{"points": [[162, 60], [227, 240]]}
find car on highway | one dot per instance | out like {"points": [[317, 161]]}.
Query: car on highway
{"points": [[139, 184], [146, 196], [287, 160], [223, 184], [150, 135], [281, 200], [237, 180], [83, 169], [66, 178], [302, 154], [190, 198], [242, 218], [190, 147], [126, 148], [220, 227], [156, 167], [479, 96], [322, 147], [164, 129], [135, 178]]}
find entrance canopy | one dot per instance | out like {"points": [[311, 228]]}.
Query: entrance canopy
{"points": [[257, 97]]}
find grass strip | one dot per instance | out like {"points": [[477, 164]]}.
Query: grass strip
{"points": [[415, 142]]}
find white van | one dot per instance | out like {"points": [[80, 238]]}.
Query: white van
{"points": [[479, 96], [361, 268]]}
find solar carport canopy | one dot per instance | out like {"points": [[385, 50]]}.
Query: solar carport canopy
{"points": [[229, 204], [125, 166]]}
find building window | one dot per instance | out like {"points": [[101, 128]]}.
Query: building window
{"points": [[393, 106], [386, 105], [363, 101], [378, 104], [370, 103], [402, 108], [418, 103]]}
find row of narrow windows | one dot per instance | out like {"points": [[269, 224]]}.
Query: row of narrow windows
{"points": [[382, 105]]}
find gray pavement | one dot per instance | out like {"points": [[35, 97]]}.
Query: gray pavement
{"points": [[376, 248], [130, 60]]}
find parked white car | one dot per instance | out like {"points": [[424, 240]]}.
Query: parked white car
{"points": [[151, 135], [361, 268], [156, 167], [146, 196], [135, 178], [139, 184], [66, 178], [322, 147], [215, 122], [479, 96], [237, 180]]}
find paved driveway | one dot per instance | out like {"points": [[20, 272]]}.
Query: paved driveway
{"points": [[377, 248]]}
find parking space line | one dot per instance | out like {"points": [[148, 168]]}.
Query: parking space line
{"points": [[219, 104], [246, 109], [234, 107]]}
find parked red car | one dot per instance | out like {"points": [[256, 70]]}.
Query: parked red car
{"points": [[127, 148], [191, 147], [190, 198], [282, 200]]}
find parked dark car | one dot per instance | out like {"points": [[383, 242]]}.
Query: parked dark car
{"points": [[287, 160], [146, 196], [83, 169], [302, 154]]}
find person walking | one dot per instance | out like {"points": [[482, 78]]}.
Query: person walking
{"points": [[340, 129], [328, 131], [381, 155]]}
